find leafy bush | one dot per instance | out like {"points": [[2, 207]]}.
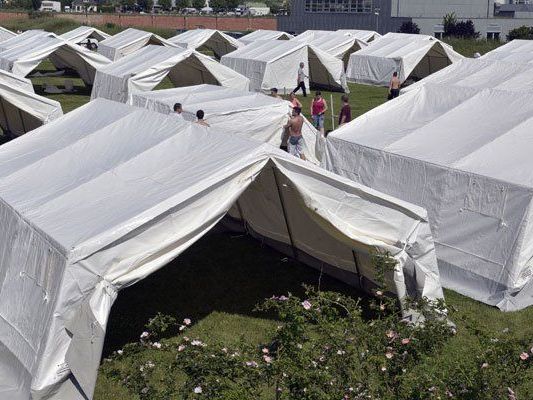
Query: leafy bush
{"points": [[409, 27], [522, 32], [459, 29]]}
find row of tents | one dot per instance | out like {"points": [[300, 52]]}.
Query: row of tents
{"points": [[97, 199]]}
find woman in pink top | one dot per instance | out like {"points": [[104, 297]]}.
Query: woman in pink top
{"points": [[294, 101], [318, 110]]}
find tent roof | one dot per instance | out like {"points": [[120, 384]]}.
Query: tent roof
{"points": [[337, 43], [196, 38], [84, 32], [6, 34], [516, 51], [23, 38], [365, 36], [266, 50], [114, 46], [128, 153], [435, 124], [16, 80], [264, 34], [24, 58]]}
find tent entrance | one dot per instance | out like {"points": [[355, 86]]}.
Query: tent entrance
{"points": [[434, 60], [319, 76], [191, 71]]}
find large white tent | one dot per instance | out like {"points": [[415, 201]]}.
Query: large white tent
{"points": [[23, 38], [129, 41], [23, 59], [22, 111], [339, 44], [516, 51], [207, 40], [90, 206], [463, 153], [6, 34], [15, 80], [275, 63], [84, 32], [146, 68], [264, 34], [248, 114], [412, 56]]}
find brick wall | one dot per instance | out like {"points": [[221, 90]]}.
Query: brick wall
{"points": [[163, 21]]}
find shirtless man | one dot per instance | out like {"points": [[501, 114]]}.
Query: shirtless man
{"points": [[295, 142], [394, 86]]}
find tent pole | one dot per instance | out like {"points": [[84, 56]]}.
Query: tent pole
{"points": [[22, 121], [244, 224], [280, 194], [357, 270]]}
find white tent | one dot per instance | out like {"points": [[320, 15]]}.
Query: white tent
{"points": [[310, 35], [23, 38], [516, 51], [412, 56], [15, 80], [339, 44], [22, 111], [146, 68], [464, 155], [82, 33], [363, 35], [6, 34], [129, 41], [248, 114], [264, 34], [207, 39], [481, 74], [23, 59], [92, 205], [274, 63]]}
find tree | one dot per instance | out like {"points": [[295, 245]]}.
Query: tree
{"points": [[36, 4], [146, 5], [523, 32], [198, 4], [409, 27], [449, 22], [218, 5], [165, 4], [466, 30], [181, 4]]}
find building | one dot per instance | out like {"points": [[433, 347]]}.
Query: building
{"points": [[492, 18], [81, 6], [50, 6]]}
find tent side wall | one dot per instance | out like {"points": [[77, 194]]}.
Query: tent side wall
{"points": [[110, 87], [371, 70], [31, 270], [254, 70], [281, 73], [477, 221]]}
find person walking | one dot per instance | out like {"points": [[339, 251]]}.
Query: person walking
{"points": [[301, 80], [345, 115], [318, 111], [294, 126], [394, 86]]}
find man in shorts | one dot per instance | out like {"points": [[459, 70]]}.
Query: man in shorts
{"points": [[295, 142], [394, 86]]}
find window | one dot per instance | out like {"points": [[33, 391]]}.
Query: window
{"points": [[339, 6]]}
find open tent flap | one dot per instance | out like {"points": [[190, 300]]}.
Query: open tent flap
{"points": [[82, 33], [71, 272], [326, 71], [248, 114], [207, 40], [22, 111]]}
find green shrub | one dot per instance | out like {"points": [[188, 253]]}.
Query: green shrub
{"points": [[522, 32]]}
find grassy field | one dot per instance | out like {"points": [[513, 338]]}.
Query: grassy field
{"points": [[219, 280]]}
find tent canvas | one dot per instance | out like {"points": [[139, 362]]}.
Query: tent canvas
{"points": [[22, 111], [146, 68], [129, 41], [264, 34], [207, 39], [6, 34], [516, 51], [363, 35], [412, 56], [275, 63], [83, 33], [15, 80], [238, 112], [449, 150], [339, 45], [115, 198], [23, 59], [23, 38]]}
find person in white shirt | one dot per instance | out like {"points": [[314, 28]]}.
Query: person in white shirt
{"points": [[301, 80]]}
